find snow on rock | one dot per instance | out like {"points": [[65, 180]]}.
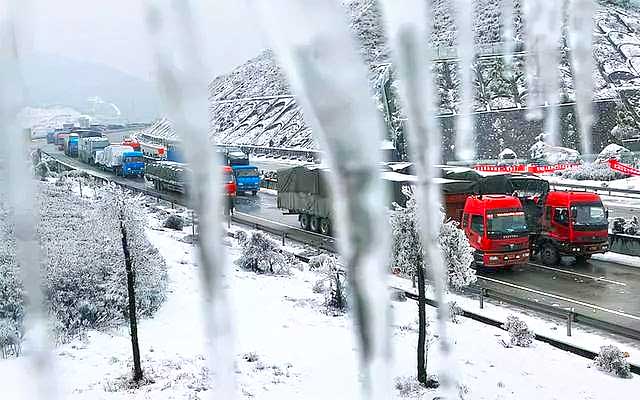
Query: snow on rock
{"points": [[551, 155], [507, 154], [615, 152]]}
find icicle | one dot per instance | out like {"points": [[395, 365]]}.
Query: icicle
{"points": [[408, 26], [465, 140], [185, 94], [581, 42], [22, 200], [543, 20], [318, 52], [508, 32]]}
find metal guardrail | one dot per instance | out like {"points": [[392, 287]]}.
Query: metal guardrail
{"points": [[278, 152], [601, 190]]}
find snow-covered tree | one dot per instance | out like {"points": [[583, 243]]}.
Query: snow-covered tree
{"points": [[407, 251]]}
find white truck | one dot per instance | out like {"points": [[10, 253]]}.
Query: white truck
{"points": [[121, 160]]}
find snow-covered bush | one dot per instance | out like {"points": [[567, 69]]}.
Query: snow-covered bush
{"points": [[332, 282], [10, 338], [174, 221], [84, 276], [626, 226], [591, 172], [611, 360], [409, 387], [519, 332], [262, 255], [454, 312], [407, 252], [507, 154]]}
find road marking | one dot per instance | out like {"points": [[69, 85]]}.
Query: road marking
{"points": [[564, 271], [565, 299]]}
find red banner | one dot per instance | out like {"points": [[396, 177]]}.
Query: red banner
{"points": [[625, 169], [534, 169]]}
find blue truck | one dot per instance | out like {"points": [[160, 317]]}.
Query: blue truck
{"points": [[247, 178], [121, 160], [71, 145]]}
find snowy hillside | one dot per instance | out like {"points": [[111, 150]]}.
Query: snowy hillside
{"points": [[253, 104]]}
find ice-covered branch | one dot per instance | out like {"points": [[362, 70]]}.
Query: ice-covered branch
{"points": [[185, 93], [318, 51], [407, 27]]}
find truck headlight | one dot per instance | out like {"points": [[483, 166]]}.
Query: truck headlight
{"points": [[493, 258]]}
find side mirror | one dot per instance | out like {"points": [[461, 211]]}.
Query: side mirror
{"points": [[606, 214]]}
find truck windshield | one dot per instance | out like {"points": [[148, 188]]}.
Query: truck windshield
{"points": [[132, 159], [247, 172], [588, 215], [506, 223]]}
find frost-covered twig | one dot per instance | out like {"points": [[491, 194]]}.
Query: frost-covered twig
{"points": [[314, 44], [185, 93], [581, 41], [408, 24], [21, 195]]}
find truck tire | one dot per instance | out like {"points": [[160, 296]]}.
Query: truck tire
{"points": [[254, 192], [304, 221], [325, 226], [549, 254], [314, 224]]}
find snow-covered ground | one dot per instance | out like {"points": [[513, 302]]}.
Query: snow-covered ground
{"points": [[288, 348]]}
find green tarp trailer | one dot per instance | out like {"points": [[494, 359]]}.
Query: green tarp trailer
{"points": [[304, 190]]}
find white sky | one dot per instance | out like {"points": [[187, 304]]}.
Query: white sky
{"points": [[112, 32]]}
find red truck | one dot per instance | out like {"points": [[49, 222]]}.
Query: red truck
{"points": [[495, 224], [557, 223], [562, 223]]}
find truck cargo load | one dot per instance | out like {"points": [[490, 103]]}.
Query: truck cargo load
{"points": [[168, 175], [88, 147]]}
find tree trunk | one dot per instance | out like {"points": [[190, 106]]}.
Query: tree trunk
{"points": [[133, 322], [422, 327]]}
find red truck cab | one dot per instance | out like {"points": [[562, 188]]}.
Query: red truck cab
{"points": [[497, 230], [573, 224]]}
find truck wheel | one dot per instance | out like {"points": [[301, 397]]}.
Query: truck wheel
{"points": [[254, 192], [315, 224], [304, 221], [549, 254], [325, 226]]}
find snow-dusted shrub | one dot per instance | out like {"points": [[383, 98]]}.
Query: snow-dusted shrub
{"points": [[263, 255], [10, 338], [409, 387], [174, 221], [543, 152], [407, 251], [398, 295], [84, 274], [627, 226], [322, 263], [611, 360], [592, 172], [454, 312], [519, 332]]}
